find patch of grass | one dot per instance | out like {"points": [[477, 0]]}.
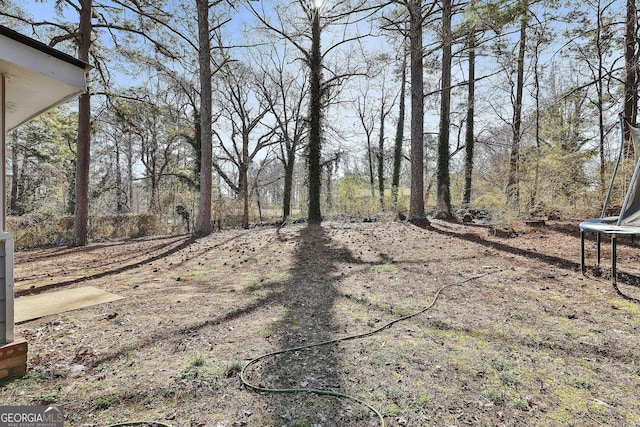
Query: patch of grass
{"points": [[198, 361], [569, 330], [310, 401], [420, 403], [31, 379], [519, 404], [628, 307], [495, 396], [212, 374], [395, 393], [259, 293], [578, 382], [393, 410], [591, 339], [201, 271], [118, 320], [387, 268], [498, 365], [45, 398], [266, 332], [600, 411], [33, 388], [129, 349], [517, 316], [150, 402], [360, 412], [105, 402], [509, 378], [571, 402], [191, 370], [86, 387], [233, 368], [439, 325]]}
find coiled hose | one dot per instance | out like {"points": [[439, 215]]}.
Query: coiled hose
{"points": [[258, 388]]}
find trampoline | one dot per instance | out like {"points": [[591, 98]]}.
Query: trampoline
{"points": [[628, 221]]}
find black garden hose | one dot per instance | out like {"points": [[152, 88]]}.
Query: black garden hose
{"points": [[347, 338]]}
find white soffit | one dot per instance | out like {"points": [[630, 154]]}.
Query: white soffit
{"points": [[38, 77]]}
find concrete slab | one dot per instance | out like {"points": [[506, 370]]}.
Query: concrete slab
{"points": [[35, 306]]}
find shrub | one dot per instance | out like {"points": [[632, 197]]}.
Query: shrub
{"points": [[37, 231]]}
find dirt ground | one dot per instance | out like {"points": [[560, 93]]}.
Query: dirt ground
{"points": [[518, 336]]}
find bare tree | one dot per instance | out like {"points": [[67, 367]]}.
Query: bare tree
{"points": [[244, 118], [513, 185], [469, 135], [631, 63], [443, 203], [591, 45], [366, 114], [152, 20], [153, 125], [386, 105], [317, 17], [285, 92], [157, 18], [417, 13], [399, 138]]}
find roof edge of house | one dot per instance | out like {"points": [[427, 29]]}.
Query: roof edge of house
{"points": [[35, 44]]}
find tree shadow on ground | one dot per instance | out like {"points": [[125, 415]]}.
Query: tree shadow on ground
{"points": [[152, 254], [513, 250], [171, 249], [624, 278], [307, 300], [304, 301]]}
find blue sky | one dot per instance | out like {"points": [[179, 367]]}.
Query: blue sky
{"points": [[489, 90]]}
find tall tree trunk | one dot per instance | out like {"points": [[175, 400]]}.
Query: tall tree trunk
{"points": [[13, 201], [258, 202], [197, 147], [120, 206], [536, 176], [23, 185], [513, 185], [631, 65], [22, 201], [469, 137], [372, 179], [380, 158], [416, 201], [397, 150], [600, 89], [443, 205], [330, 167], [245, 181], [203, 223], [153, 196], [288, 185], [83, 158], [130, 162], [315, 121], [602, 132]]}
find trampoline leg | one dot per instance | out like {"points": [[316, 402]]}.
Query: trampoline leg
{"points": [[598, 246], [582, 251], [613, 259]]}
